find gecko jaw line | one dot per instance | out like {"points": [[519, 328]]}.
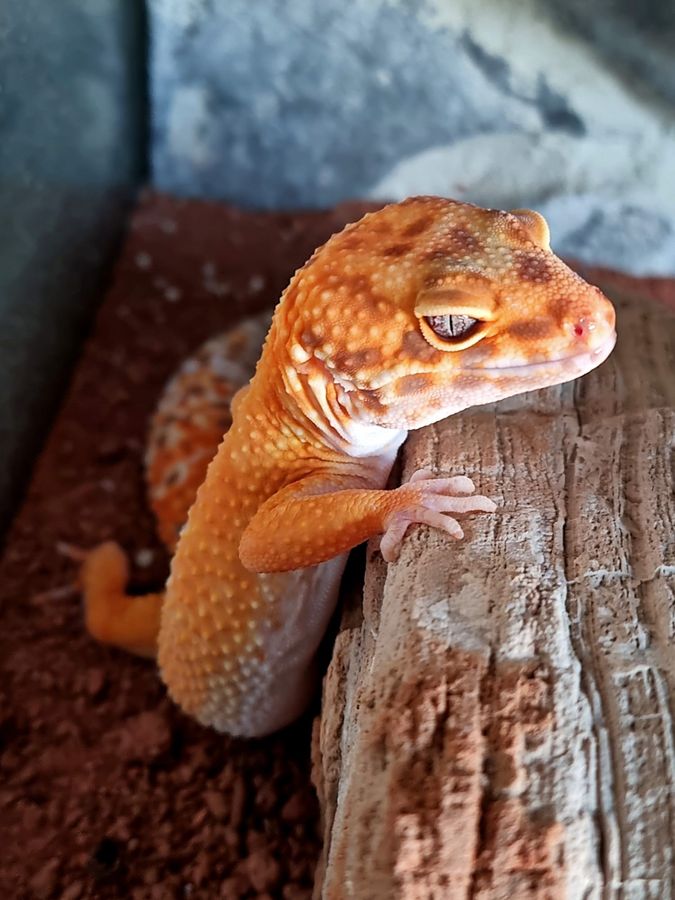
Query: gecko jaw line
{"points": [[599, 352]]}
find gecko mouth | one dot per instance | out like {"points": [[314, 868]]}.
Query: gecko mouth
{"points": [[589, 359]]}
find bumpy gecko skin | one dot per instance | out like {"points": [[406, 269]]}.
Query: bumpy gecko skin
{"points": [[415, 312]]}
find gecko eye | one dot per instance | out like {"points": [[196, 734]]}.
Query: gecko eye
{"points": [[454, 317], [450, 327], [452, 331]]}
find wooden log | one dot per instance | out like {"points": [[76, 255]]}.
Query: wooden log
{"points": [[498, 715]]}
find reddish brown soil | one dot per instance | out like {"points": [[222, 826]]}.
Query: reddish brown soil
{"points": [[106, 790]]}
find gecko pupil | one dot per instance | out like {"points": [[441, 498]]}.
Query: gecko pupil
{"points": [[452, 326]]}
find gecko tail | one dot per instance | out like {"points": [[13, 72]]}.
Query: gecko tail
{"points": [[112, 616], [193, 413]]}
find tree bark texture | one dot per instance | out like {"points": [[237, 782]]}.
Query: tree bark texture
{"points": [[498, 715]]}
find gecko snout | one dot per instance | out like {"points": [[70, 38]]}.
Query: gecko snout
{"points": [[592, 328]]}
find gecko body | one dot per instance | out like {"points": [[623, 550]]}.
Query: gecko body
{"points": [[417, 311]]}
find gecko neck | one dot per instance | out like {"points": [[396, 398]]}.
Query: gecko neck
{"points": [[324, 409]]}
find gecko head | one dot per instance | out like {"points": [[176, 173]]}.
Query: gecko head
{"points": [[430, 306]]}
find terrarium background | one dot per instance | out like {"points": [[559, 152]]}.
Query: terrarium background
{"points": [[562, 105]]}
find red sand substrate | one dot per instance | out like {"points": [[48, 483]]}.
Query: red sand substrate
{"points": [[106, 789]]}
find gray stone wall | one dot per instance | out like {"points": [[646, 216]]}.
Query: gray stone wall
{"points": [[71, 150], [503, 102]]}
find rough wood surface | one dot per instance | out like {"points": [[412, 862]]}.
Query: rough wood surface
{"points": [[497, 721]]}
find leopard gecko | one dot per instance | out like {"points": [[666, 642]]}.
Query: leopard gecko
{"points": [[417, 311]]}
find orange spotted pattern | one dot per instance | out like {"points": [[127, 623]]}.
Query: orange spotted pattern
{"points": [[416, 311], [193, 414]]}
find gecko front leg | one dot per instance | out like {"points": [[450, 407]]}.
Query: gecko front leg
{"points": [[317, 518]]}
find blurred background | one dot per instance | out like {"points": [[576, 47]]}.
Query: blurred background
{"points": [[558, 104]]}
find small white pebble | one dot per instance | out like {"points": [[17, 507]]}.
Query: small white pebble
{"points": [[108, 485], [144, 557], [168, 226], [173, 294], [256, 284], [143, 260], [219, 288]]}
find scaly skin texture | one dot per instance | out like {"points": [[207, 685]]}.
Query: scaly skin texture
{"points": [[355, 357]]}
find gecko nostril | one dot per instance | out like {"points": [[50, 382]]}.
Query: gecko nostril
{"points": [[584, 326]]}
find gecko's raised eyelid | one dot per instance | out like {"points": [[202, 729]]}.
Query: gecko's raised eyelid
{"points": [[456, 301]]}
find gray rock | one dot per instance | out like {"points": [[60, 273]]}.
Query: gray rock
{"points": [[638, 38], [307, 103], [304, 103], [612, 232]]}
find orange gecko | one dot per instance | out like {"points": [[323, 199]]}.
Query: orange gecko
{"points": [[415, 312]]}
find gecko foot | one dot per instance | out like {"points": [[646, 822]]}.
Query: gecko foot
{"points": [[430, 499]]}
